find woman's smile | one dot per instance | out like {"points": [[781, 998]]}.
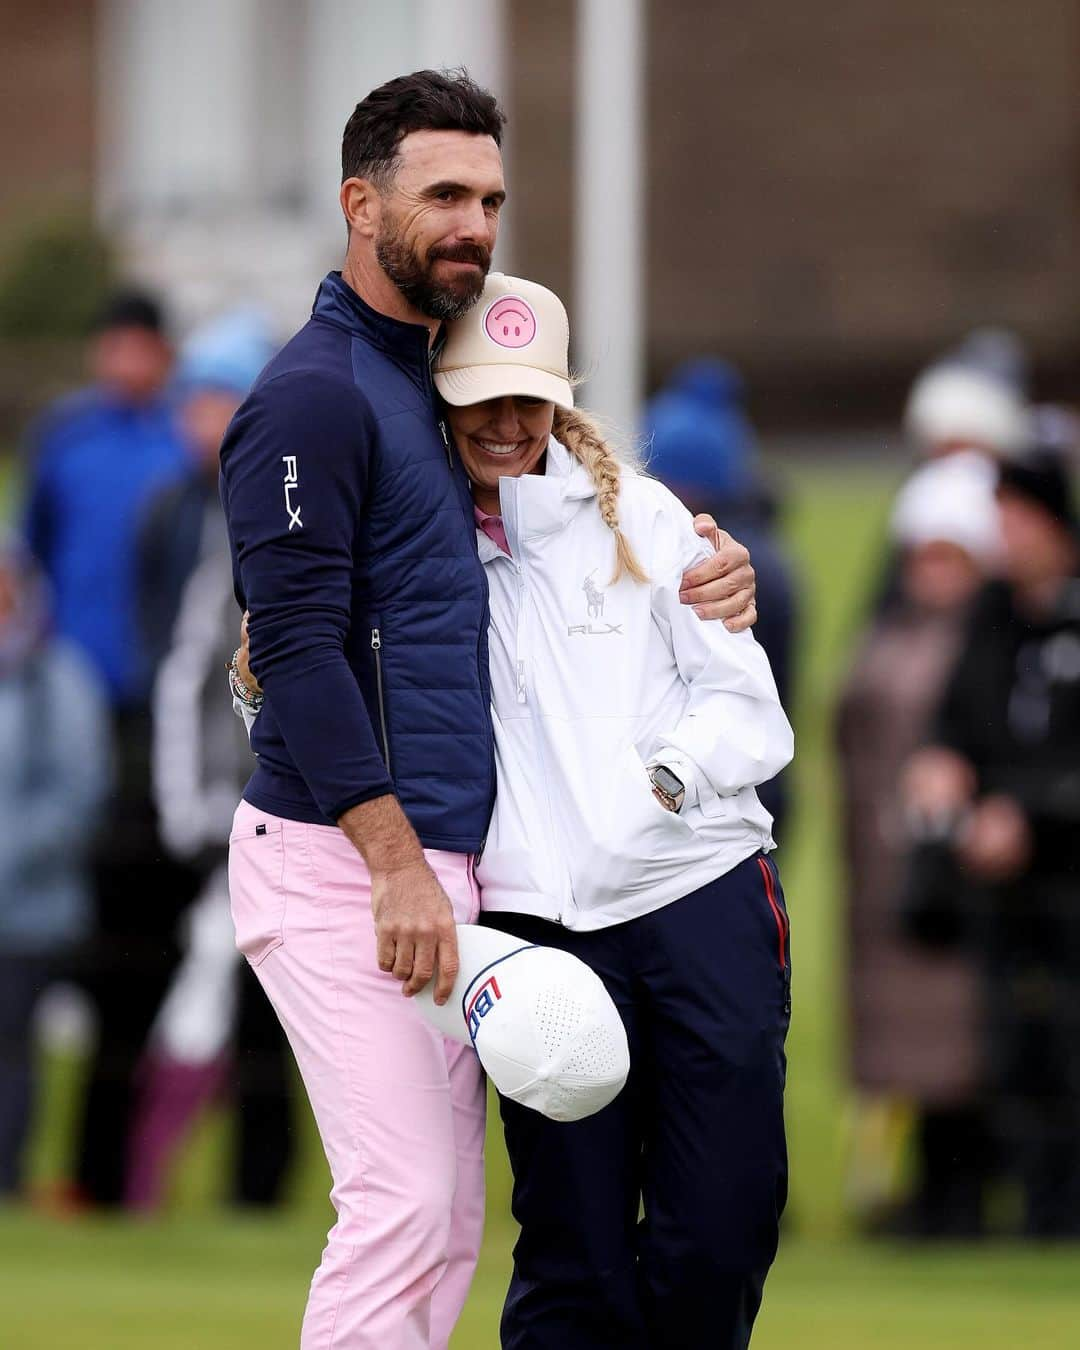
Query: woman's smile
{"points": [[500, 448]]}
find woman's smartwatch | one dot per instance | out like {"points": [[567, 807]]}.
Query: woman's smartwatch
{"points": [[667, 789]]}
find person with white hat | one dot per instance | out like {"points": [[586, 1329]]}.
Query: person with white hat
{"points": [[911, 976], [626, 831]]}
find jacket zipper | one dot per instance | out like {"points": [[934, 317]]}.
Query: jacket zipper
{"points": [[538, 738], [446, 443], [480, 676], [376, 647], [778, 913]]}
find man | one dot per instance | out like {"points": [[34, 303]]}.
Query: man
{"points": [[354, 550], [97, 458], [1001, 784]]}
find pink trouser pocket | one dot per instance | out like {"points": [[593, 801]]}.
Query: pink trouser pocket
{"points": [[257, 883]]}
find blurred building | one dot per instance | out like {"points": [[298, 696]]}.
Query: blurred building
{"points": [[828, 194]]}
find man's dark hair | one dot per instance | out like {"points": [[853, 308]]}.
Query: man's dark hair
{"points": [[426, 100], [130, 309]]}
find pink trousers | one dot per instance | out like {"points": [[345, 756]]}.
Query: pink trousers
{"points": [[400, 1110]]}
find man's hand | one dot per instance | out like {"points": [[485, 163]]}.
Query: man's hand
{"points": [[414, 919], [996, 841], [242, 655], [936, 786], [723, 586], [414, 928]]}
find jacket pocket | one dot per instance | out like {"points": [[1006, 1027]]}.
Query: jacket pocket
{"points": [[634, 840], [380, 694], [257, 888]]}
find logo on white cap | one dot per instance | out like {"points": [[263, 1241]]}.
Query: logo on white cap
{"points": [[510, 322], [478, 1001], [545, 1028]]}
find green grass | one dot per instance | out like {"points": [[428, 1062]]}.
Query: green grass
{"points": [[211, 1282], [200, 1278]]}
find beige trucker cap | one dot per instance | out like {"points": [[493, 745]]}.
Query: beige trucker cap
{"points": [[514, 340]]}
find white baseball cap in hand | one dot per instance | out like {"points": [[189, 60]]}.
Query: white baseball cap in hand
{"points": [[544, 1026]]}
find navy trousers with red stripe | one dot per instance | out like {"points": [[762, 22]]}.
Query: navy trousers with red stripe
{"points": [[694, 1144]]}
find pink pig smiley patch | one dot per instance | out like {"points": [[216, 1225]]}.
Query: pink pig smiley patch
{"points": [[510, 322]]}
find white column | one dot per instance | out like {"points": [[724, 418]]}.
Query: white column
{"points": [[466, 33], [353, 46], [178, 107], [609, 226], [472, 33]]}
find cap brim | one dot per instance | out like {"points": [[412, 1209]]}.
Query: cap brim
{"points": [[476, 384]]}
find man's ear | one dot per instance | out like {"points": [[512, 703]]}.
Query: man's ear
{"points": [[361, 205]]}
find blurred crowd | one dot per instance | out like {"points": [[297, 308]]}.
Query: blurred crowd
{"points": [[959, 743], [958, 734], [122, 767]]}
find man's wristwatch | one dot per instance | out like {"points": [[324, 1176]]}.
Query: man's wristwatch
{"points": [[248, 697], [667, 789]]}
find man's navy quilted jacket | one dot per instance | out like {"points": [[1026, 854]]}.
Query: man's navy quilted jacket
{"points": [[353, 544]]}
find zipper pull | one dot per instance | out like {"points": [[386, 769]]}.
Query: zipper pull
{"points": [[521, 682], [446, 442], [376, 640]]}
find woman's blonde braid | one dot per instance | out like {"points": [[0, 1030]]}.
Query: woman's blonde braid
{"points": [[585, 441]]}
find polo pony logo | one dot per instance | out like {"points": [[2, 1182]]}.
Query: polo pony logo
{"points": [[594, 607], [594, 597]]}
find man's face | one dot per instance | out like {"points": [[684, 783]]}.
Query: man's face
{"points": [[205, 416], [438, 220], [939, 575], [132, 362], [1037, 547]]}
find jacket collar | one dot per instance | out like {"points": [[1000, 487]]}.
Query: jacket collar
{"points": [[539, 503], [568, 472], [336, 302]]}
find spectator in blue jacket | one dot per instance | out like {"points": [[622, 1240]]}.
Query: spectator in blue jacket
{"points": [[97, 459], [703, 447], [54, 758]]}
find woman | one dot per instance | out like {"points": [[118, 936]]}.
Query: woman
{"points": [[912, 1004], [626, 830]]}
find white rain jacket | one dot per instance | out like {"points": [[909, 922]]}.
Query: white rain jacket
{"points": [[590, 683]]}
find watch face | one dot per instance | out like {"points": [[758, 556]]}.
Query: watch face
{"points": [[666, 781]]}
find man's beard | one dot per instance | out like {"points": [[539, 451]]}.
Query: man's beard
{"points": [[414, 278]]}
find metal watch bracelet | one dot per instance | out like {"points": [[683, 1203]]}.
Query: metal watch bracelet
{"points": [[248, 697]]}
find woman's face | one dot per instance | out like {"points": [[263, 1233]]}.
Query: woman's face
{"points": [[502, 438]]}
